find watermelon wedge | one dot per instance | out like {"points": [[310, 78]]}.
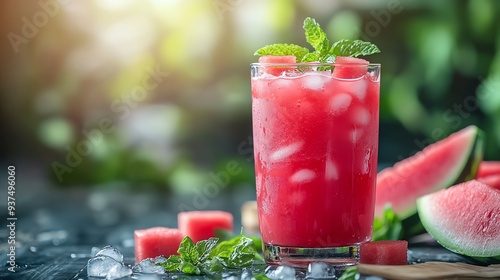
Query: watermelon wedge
{"points": [[487, 168], [465, 218], [452, 160]]}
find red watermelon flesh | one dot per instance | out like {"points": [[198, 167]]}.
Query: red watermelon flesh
{"points": [[275, 70], [351, 68], [201, 225], [437, 166], [384, 252], [491, 180], [465, 218], [156, 241], [487, 168]]}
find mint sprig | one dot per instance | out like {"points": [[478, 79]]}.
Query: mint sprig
{"points": [[283, 49], [323, 52], [316, 37], [209, 256], [353, 48]]}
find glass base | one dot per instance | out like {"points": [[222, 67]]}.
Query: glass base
{"points": [[338, 257]]}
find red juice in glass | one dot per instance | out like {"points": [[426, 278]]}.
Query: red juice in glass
{"points": [[315, 146]]}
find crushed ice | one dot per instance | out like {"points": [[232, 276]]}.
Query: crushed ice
{"points": [[110, 251], [280, 272]]}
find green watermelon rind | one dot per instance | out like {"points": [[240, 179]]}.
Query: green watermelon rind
{"points": [[411, 224], [464, 170], [476, 157], [491, 256]]}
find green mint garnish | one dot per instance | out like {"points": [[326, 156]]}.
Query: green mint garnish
{"points": [[349, 273], [323, 52], [316, 37], [387, 228], [207, 256], [192, 259], [283, 49], [236, 253], [353, 48]]}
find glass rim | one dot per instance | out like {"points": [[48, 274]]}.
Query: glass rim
{"points": [[297, 64]]}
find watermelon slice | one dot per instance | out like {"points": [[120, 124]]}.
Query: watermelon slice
{"points": [[156, 241], [274, 70], [487, 168], [388, 252], [353, 68], [492, 181], [465, 218], [201, 225], [439, 165]]}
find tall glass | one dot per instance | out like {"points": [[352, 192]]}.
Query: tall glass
{"points": [[315, 131]]}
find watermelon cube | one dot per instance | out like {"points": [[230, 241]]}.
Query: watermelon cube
{"points": [[275, 70], [201, 225], [156, 241], [385, 252], [351, 68]]}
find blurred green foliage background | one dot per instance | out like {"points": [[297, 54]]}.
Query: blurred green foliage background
{"points": [[157, 93]]}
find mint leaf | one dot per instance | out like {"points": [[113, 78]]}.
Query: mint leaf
{"points": [[283, 49], [353, 48], [204, 247], [210, 256], [316, 37], [187, 251], [349, 273], [310, 57], [225, 235], [173, 263], [387, 228], [190, 268], [238, 252]]}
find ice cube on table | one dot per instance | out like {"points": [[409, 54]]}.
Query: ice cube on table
{"points": [[160, 259], [318, 270], [340, 103], [247, 275], [303, 176], [110, 251], [286, 151], [94, 251], [118, 272], [148, 266], [281, 272], [100, 266]]}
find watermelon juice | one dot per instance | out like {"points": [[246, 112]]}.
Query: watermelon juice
{"points": [[315, 148]]}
